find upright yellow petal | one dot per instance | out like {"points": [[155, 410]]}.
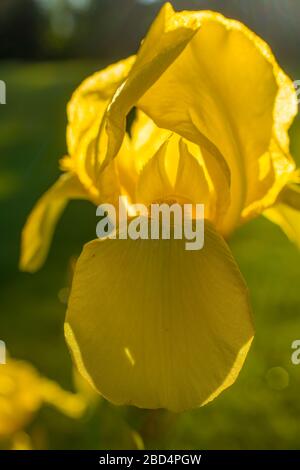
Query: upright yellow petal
{"points": [[38, 230], [147, 140], [166, 39], [85, 113], [152, 325], [227, 86], [173, 174]]}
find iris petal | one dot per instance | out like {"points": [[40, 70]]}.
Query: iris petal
{"points": [[166, 39], [147, 141], [227, 85], [38, 230], [85, 113], [139, 336], [173, 174], [215, 83]]}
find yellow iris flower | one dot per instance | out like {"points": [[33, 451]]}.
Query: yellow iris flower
{"points": [[149, 323], [22, 393]]}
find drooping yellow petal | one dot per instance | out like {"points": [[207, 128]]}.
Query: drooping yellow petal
{"points": [[38, 230], [152, 325], [286, 212], [226, 84], [85, 112]]}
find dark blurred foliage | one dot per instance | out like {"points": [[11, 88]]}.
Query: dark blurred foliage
{"points": [[20, 29], [110, 29]]}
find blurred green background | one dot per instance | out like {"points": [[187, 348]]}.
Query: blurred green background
{"points": [[46, 49]]}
